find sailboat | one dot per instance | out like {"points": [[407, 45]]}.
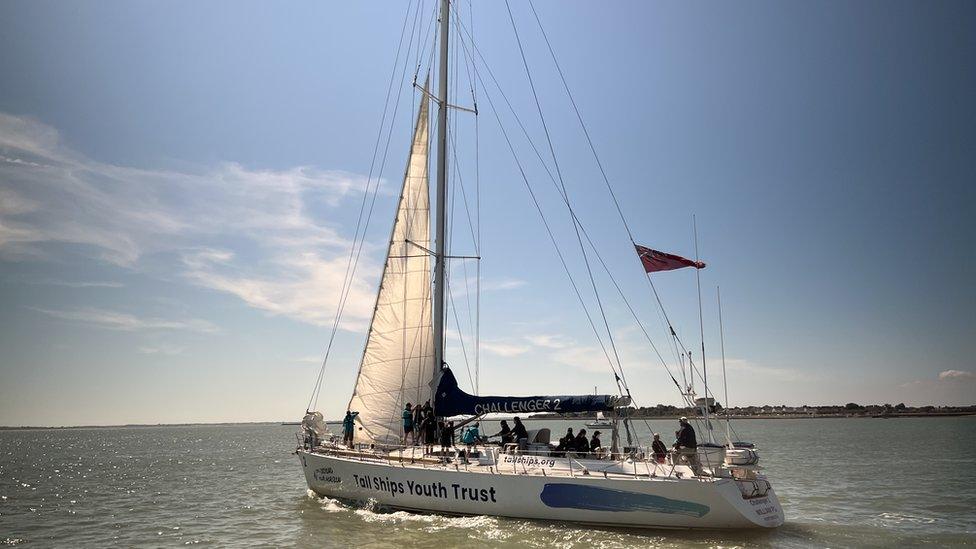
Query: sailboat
{"points": [[403, 362], [601, 421]]}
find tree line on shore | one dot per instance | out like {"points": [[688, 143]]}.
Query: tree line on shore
{"points": [[830, 410]]}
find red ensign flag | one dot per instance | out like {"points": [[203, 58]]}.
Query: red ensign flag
{"points": [[654, 260]]}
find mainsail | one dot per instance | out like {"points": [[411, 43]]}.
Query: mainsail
{"points": [[398, 361]]}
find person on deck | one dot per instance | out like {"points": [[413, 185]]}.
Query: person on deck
{"points": [[580, 445], [407, 423], [471, 435], [429, 428], [348, 427], [595, 442], [447, 435], [519, 433], [659, 449], [418, 417], [686, 445], [505, 433], [566, 443]]}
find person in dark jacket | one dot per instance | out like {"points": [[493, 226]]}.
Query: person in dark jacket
{"points": [[447, 435], [686, 445], [659, 449], [429, 428], [685, 435], [580, 444], [418, 418], [595, 442], [505, 433], [567, 443], [520, 434]]}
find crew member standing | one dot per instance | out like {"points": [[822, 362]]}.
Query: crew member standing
{"points": [[407, 423], [687, 445], [348, 427]]}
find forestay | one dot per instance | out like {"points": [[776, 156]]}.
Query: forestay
{"points": [[398, 361]]}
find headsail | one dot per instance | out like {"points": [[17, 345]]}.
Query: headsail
{"points": [[398, 361]]}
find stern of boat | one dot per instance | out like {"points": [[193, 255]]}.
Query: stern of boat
{"points": [[756, 501]]}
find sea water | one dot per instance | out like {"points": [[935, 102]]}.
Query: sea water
{"points": [[842, 482]]}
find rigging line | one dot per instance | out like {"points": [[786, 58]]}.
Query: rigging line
{"points": [[631, 309], [347, 277], [565, 193], [373, 200], [579, 117], [455, 189], [535, 201], [431, 39], [477, 195], [464, 195], [413, 26], [725, 377], [467, 64], [457, 322], [552, 237], [530, 141], [592, 147], [547, 170], [467, 211], [369, 215], [701, 323]]}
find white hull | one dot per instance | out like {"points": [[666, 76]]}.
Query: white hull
{"points": [[619, 500]]}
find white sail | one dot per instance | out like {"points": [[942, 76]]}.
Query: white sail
{"points": [[398, 361]]}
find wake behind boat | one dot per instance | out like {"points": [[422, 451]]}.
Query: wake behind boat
{"points": [[397, 458]]}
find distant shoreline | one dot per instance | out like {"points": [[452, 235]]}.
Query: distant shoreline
{"points": [[142, 425], [531, 418], [776, 416]]}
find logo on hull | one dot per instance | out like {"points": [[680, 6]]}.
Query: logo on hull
{"points": [[592, 498], [325, 474]]}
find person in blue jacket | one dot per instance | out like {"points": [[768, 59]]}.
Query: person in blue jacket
{"points": [[348, 427]]}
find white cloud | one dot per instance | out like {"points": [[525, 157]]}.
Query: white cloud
{"points": [[78, 284], [169, 350], [549, 341], [114, 320], [267, 237], [583, 357], [504, 349], [954, 375], [950, 387], [502, 284]]}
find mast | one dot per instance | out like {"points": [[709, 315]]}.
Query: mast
{"points": [[440, 219]]}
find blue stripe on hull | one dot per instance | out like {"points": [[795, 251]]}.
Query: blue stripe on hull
{"points": [[592, 498]]}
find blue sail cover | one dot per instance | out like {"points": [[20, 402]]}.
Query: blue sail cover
{"points": [[450, 400]]}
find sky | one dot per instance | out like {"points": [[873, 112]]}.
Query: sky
{"points": [[180, 183]]}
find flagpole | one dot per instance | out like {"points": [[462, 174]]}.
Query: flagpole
{"points": [[701, 327]]}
